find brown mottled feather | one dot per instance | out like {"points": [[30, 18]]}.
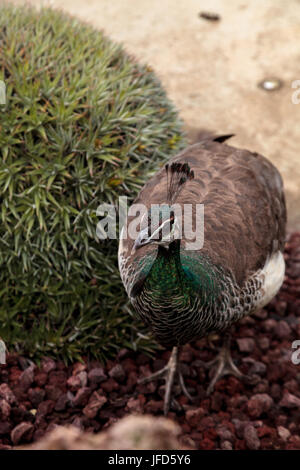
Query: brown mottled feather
{"points": [[244, 205]]}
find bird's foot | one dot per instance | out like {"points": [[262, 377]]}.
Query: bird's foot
{"points": [[169, 373], [224, 366]]}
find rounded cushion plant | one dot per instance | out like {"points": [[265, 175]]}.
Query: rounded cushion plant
{"points": [[83, 124]]}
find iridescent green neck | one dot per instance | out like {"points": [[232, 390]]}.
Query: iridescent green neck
{"points": [[191, 275]]}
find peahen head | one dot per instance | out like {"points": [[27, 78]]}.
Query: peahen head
{"points": [[159, 226]]}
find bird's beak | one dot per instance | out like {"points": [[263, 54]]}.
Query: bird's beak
{"points": [[141, 240]]}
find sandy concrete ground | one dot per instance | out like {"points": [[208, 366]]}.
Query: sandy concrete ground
{"points": [[211, 69]]}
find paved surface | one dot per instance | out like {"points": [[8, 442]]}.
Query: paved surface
{"points": [[211, 69]]}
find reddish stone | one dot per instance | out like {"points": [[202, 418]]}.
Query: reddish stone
{"points": [[251, 438], [52, 392], [246, 344], [40, 378], [22, 433], [92, 408], [109, 385], [5, 409], [225, 434], [263, 343], [82, 396], [5, 427], [194, 416], [211, 434], [5, 447], [62, 402], [283, 433], [226, 445], [97, 375], [27, 377], [78, 367], [36, 396], [117, 373], [129, 365], [7, 394], [266, 431], [293, 443], [289, 401], [48, 365], [44, 409], [58, 378], [206, 444], [269, 325], [74, 383], [154, 406], [14, 374], [134, 405], [217, 401], [283, 330], [258, 404]]}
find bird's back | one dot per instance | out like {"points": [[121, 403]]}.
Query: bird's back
{"points": [[244, 232], [244, 204]]}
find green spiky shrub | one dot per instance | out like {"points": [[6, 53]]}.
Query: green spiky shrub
{"points": [[83, 124]]}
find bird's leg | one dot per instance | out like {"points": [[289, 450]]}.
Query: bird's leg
{"points": [[170, 372], [224, 364]]}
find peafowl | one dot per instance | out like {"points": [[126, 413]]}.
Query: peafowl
{"points": [[184, 293]]}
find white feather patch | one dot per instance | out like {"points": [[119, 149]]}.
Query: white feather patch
{"points": [[273, 274]]}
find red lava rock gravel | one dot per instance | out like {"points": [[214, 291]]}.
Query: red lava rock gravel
{"points": [[263, 414]]}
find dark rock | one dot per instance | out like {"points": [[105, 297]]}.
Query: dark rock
{"points": [[40, 378], [83, 378], [194, 416], [57, 378], [283, 330], [289, 401], [74, 383], [263, 343], [259, 404], [82, 396], [22, 433], [44, 409], [117, 373], [258, 368], [7, 394], [251, 437], [217, 401], [95, 404], [226, 445], [52, 392], [97, 375], [5, 427], [48, 365], [225, 434], [246, 344], [269, 325], [283, 433], [110, 385], [78, 367], [36, 396], [5, 409], [62, 402]]}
